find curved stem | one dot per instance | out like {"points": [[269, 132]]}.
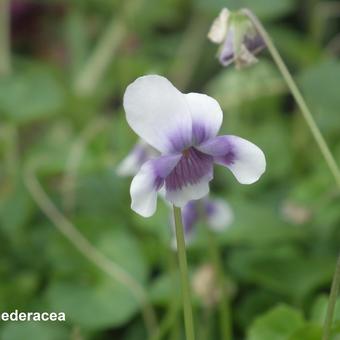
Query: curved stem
{"points": [[190, 50], [332, 302], [168, 320], [319, 140], [93, 71], [182, 259], [66, 228], [224, 303], [73, 161], [5, 59], [297, 96]]}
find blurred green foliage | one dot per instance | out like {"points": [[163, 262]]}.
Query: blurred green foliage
{"points": [[280, 252]]}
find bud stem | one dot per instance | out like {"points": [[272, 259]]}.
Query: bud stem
{"points": [[319, 140], [182, 259], [5, 59], [332, 302]]}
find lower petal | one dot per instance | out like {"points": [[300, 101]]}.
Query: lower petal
{"points": [[181, 196], [244, 159], [148, 182]]}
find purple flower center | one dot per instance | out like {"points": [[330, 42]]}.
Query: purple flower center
{"points": [[189, 170]]}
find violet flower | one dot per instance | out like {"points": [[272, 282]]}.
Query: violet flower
{"points": [[140, 153], [216, 213], [183, 128], [238, 39]]}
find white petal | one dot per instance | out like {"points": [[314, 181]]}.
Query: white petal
{"points": [[222, 215], [144, 192], [245, 58], [245, 160], [219, 27], [190, 192], [207, 116], [250, 162], [131, 164], [148, 182], [158, 113]]}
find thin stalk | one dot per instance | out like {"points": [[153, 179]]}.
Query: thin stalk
{"points": [[182, 259], [65, 227], [104, 52], [73, 161], [5, 55], [224, 303], [297, 96], [168, 321], [190, 50], [319, 140], [332, 302]]}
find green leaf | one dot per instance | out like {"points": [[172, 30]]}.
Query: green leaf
{"points": [[308, 332], [33, 331], [319, 310], [255, 224], [278, 324], [320, 84], [232, 87], [283, 270], [164, 287], [93, 305], [101, 301], [15, 210], [33, 93]]}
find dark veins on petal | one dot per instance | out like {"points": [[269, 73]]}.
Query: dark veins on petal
{"points": [[189, 170]]}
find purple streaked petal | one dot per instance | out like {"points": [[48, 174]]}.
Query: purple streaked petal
{"points": [[181, 197], [244, 159], [206, 115], [227, 51], [148, 181], [254, 43], [158, 113], [192, 166], [251, 45]]}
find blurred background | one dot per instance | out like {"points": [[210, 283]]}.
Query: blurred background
{"points": [[64, 67]]}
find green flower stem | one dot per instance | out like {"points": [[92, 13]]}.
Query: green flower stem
{"points": [[224, 303], [5, 58], [168, 321], [104, 52], [332, 302], [297, 96], [190, 50], [78, 240], [319, 140], [182, 259]]}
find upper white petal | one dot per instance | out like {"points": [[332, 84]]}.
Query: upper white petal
{"points": [[158, 112], [205, 112]]}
